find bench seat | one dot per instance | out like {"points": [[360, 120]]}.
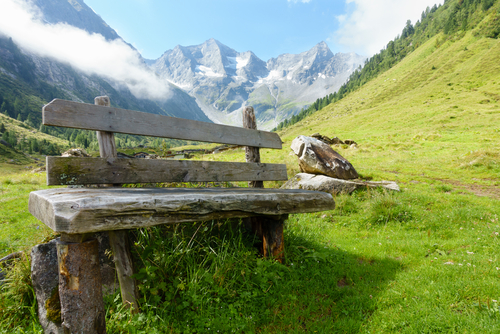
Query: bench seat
{"points": [[84, 210]]}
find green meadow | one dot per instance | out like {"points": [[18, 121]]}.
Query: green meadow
{"points": [[423, 260]]}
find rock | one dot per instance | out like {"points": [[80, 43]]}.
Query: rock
{"points": [[39, 170], [45, 278], [336, 141], [3, 142], [316, 157], [332, 185], [75, 152], [324, 139], [350, 142]]}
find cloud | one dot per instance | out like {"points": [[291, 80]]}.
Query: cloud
{"points": [[90, 53], [373, 23]]}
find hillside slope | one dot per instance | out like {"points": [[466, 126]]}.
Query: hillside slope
{"points": [[434, 116]]}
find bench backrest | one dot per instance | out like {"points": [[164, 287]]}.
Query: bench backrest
{"points": [[111, 170]]}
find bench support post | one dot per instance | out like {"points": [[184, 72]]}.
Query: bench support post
{"points": [[272, 237], [269, 229], [80, 287], [118, 239]]}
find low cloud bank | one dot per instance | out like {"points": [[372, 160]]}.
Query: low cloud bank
{"points": [[89, 53]]}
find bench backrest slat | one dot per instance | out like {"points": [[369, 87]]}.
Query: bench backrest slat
{"points": [[68, 171], [93, 117]]}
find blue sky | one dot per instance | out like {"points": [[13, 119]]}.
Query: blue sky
{"points": [[266, 27]]}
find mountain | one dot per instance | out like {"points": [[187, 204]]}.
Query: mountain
{"points": [[44, 78], [223, 80]]}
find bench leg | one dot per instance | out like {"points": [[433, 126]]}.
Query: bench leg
{"points": [[124, 268], [272, 237], [80, 287]]}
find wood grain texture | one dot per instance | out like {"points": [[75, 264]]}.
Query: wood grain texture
{"points": [[83, 210], [252, 154], [80, 288], [122, 257], [72, 171], [91, 117]]}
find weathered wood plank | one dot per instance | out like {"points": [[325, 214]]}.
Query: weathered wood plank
{"points": [[67, 171], [91, 117], [83, 210]]}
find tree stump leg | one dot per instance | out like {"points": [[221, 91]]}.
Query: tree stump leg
{"points": [[272, 237], [80, 286]]}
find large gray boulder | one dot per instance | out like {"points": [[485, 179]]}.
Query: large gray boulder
{"points": [[332, 185], [316, 157], [45, 278]]}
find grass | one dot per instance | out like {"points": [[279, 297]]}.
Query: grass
{"points": [[423, 260]]}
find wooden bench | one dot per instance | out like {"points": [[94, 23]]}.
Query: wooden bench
{"points": [[77, 213]]}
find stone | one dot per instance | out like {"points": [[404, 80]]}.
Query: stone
{"points": [[316, 157], [324, 139], [332, 185], [336, 141], [76, 152], [350, 142], [45, 279]]}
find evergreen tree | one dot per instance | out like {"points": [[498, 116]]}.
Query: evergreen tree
{"points": [[2, 128]]}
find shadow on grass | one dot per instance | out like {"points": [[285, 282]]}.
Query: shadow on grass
{"points": [[326, 290]]}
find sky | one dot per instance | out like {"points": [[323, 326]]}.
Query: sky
{"points": [[266, 27]]}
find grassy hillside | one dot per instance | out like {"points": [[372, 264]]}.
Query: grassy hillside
{"points": [[434, 116]]}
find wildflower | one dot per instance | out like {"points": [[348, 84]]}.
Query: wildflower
{"points": [[470, 253], [496, 233], [459, 264], [468, 264], [449, 262]]}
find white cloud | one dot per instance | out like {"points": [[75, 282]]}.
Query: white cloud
{"points": [[90, 53], [373, 23]]}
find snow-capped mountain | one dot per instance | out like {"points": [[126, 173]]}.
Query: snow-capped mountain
{"points": [[223, 80]]}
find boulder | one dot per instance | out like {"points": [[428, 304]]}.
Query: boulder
{"points": [[316, 157], [324, 139], [350, 142], [76, 152], [332, 185], [45, 279], [336, 141]]}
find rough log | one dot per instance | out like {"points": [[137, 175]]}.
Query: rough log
{"points": [[80, 288]]}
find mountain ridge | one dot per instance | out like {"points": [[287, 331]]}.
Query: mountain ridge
{"points": [[224, 80]]}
